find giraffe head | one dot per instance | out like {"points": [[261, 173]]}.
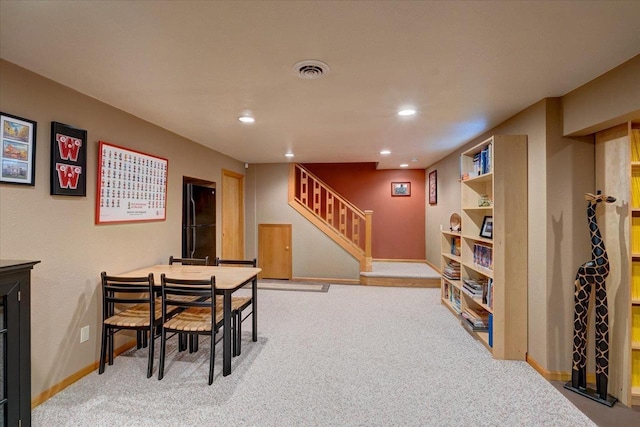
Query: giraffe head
{"points": [[594, 199]]}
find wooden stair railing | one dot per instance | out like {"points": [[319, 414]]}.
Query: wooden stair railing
{"points": [[338, 218]]}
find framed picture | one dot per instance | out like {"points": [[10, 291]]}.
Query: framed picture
{"points": [[487, 227], [132, 186], [68, 160], [433, 187], [400, 188], [18, 157]]}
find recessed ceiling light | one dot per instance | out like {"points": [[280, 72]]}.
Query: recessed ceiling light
{"points": [[385, 152], [404, 165], [289, 155], [246, 119], [407, 112]]}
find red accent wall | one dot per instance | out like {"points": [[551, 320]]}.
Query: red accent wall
{"points": [[398, 222]]}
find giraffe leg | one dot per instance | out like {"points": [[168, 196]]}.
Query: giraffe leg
{"points": [[581, 308], [602, 339]]}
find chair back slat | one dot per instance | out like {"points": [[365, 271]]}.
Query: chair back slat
{"points": [[127, 291], [176, 293], [219, 262], [189, 261]]}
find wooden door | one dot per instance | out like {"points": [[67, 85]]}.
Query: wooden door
{"points": [[274, 251], [232, 215]]}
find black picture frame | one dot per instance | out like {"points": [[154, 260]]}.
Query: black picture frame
{"points": [[68, 160], [487, 227], [433, 187], [18, 155]]}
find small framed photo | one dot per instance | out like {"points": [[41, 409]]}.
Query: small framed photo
{"points": [[433, 187], [18, 155], [487, 227], [400, 188]]}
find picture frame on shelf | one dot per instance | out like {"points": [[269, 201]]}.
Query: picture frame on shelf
{"points": [[18, 156], [486, 230], [433, 187], [68, 160], [401, 189]]}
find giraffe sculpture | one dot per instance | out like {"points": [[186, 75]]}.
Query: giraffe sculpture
{"points": [[592, 274]]}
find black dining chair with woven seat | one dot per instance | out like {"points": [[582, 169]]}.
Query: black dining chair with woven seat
{"points": [[198, 313], [128, 303], [189, 261], [239, 303]]}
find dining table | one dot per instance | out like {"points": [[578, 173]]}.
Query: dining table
{"points": [[227, 280]]}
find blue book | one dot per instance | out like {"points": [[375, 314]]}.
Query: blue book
{"points": [[491, 330]]}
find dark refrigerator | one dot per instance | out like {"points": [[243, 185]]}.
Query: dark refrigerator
{"points": [[199, 222]]}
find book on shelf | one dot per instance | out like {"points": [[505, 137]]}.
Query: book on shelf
{"points": [[477, 318], [474, 288], [455, 300], [482, 161], [490, 330], [487, 297], [451, 271], [483, 255], [455, 245]]}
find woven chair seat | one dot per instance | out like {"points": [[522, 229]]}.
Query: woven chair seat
{"points": [[194, 319], [138, 315]]}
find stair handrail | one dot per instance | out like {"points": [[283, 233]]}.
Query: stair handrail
{"points": [[363, 243]]}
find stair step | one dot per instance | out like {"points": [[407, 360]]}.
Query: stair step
{"points": [[402, 274]]}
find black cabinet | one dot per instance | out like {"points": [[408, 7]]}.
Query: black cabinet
{"points": [[15, 342]]}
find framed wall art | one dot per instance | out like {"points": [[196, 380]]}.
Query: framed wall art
{"points": [[433, 187], [68, 160], [487, 227], [400, 188], [132, 186], [18, 160]]}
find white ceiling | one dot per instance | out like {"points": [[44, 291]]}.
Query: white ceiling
{"points": [[193, 67]]}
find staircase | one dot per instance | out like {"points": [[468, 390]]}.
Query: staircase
{"points": [[339, 219]]}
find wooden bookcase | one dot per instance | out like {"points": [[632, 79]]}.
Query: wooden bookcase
{"points": [[495, 189], [634, 297], [618, 175]]}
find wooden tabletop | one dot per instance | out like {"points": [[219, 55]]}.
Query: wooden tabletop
{"points": [[226, 277]]}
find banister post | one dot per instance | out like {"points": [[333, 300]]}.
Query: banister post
{"points": [[368, 225]]}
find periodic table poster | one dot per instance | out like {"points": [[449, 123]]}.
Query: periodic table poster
{"points": [[132, 186]]}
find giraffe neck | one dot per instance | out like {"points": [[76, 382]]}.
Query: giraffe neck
{"points": [[598, 251]]}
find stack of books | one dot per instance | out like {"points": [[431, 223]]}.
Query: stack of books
{"points": [[487, 297], [483, 256], [474, 288], [476, 319], [452, 270], [455, 299]]}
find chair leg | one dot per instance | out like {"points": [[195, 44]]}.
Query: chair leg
{"points": [[234, 334], [139, 341], [163, 346], [238, 349], [103, 349], [212, 358], [193, 343], [110, 346], [182, 342], [150, 362]]}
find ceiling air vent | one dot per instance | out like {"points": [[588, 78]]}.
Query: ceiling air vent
{"points": [[311, 69]]}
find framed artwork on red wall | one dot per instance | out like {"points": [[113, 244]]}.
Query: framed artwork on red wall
{"points": [[433, 187], [400, 188]]}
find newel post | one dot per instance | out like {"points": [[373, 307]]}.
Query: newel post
{"points": [[368, 225]]}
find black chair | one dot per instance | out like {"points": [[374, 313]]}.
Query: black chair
{"points": [[128, 303], [189, 261], [238, 304], [198, 313]]}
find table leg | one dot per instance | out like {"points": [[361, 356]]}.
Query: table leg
{"points": [[254, 316], [226, 338]]}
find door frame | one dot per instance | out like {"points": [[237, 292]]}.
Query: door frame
{"points": [[236, 235]]}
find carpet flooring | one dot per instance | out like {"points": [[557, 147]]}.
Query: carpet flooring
{"points": [[413, 270], [353, 356]]}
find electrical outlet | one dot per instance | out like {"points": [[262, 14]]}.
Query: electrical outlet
{"points": [[84, 334]]}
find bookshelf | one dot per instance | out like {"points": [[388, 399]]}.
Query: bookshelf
{"points": [[450, 282], [493, 246], [618, 174], [634, 297]]}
